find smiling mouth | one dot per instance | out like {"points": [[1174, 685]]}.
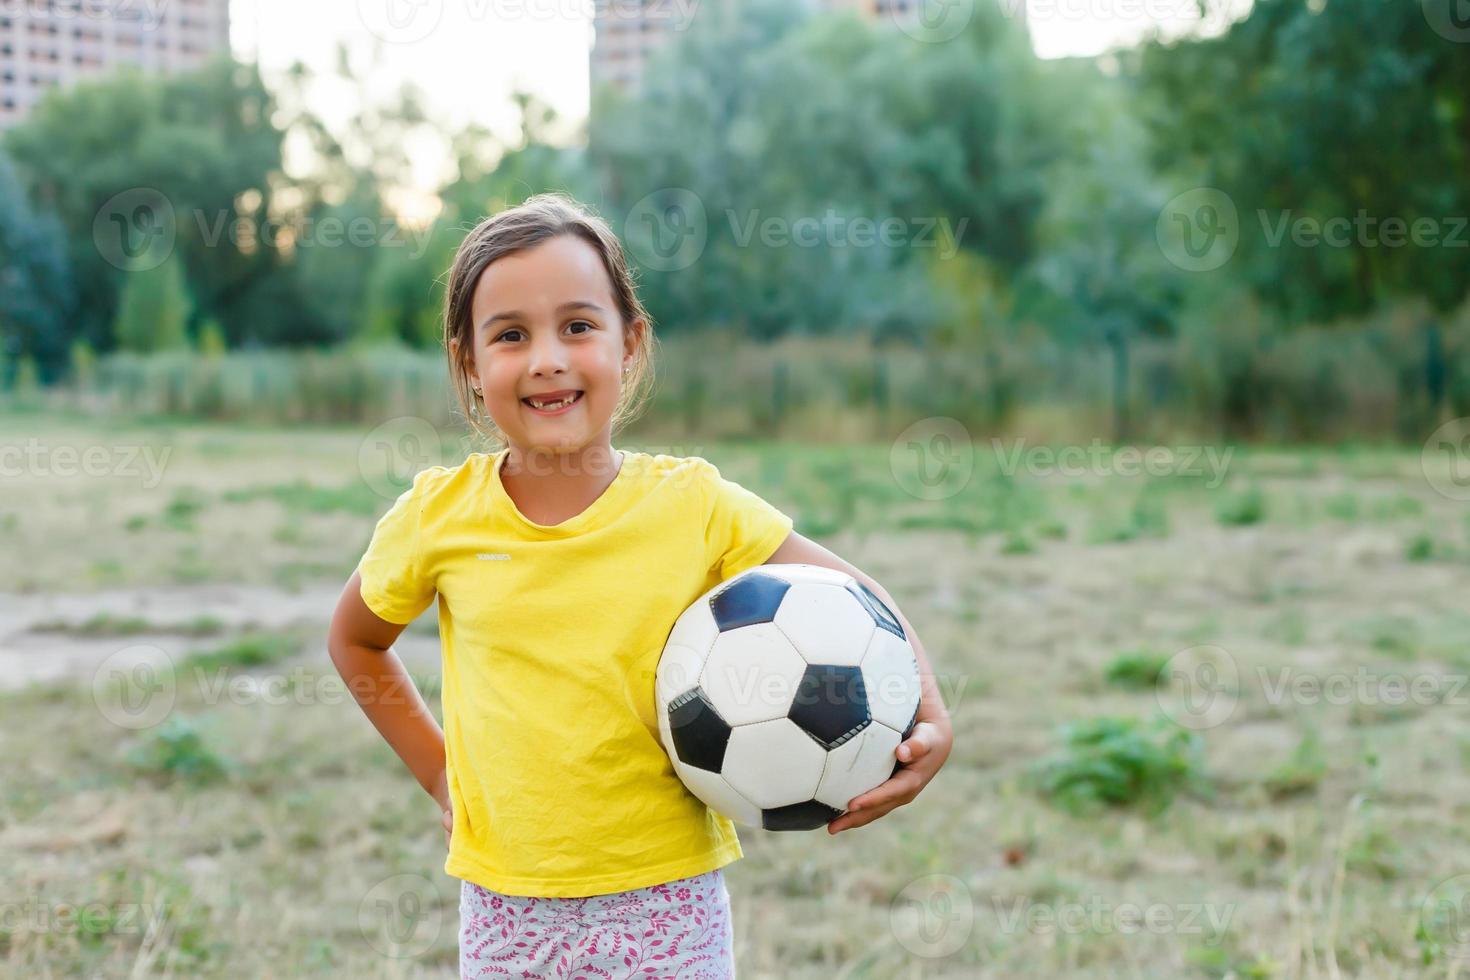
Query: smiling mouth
{"points": [[553, 406]]}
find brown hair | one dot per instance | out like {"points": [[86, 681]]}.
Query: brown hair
{"points": [[530, 223]]}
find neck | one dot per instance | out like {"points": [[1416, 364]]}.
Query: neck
{"points": [[594, 464]]}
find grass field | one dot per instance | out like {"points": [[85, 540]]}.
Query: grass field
{"points": [[1262, 666]]}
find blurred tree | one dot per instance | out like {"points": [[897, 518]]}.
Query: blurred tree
{"points": [[154, 310], [788, 139], [36, 302], [204, 141], [1337, 129]]}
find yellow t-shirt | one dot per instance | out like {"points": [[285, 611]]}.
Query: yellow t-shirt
{"points": [[551, 636]]}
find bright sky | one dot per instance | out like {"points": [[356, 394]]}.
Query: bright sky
{"points": [[466, 55]]}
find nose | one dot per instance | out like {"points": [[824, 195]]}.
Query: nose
{"points": [[548, 356]]}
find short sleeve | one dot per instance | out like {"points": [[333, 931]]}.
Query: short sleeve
{"points": [[742, 529], [394, 585]]}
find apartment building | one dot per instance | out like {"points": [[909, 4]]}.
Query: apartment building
{"points": [[46, 43]]}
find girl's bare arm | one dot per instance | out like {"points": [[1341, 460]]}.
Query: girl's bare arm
{"points": [[361, 645]]}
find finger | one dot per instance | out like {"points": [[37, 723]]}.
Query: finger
{"points": [[916, 746], [895, 791], [851, 821]]}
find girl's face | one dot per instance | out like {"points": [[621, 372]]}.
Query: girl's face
{"points": [[545, 324]]}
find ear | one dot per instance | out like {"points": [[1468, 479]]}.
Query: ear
{"points": [[633, 337], [468, 369]]}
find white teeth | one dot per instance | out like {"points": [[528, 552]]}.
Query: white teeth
{"points": [[551, 406]]}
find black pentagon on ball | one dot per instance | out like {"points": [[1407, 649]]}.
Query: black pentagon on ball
{"points": [[830, 704], [700, 734], [751, 599], [881, 614], [799, 816]]}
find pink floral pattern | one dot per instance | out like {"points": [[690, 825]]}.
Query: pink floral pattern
{"points": [[679, 930]]}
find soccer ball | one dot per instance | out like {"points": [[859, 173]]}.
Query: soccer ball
{"points": [[783, 693]]}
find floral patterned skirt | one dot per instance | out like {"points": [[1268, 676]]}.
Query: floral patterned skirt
{"points": [[680, 929]]}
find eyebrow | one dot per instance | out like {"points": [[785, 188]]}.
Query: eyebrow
{"points": [[576, 304]]}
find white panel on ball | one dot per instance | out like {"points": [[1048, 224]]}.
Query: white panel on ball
{"points": [[815, 574], [752, 674], [826, 624], [891, 677], [773, 763], [677, 672], [857, 765], [696, 629]]}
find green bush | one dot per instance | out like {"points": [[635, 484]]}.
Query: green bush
{"points": [[1137, 670], [177, 750], [1245, 507], [1121, 762]]}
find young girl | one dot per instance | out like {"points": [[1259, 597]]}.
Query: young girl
{"points": [[561, 564]]}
